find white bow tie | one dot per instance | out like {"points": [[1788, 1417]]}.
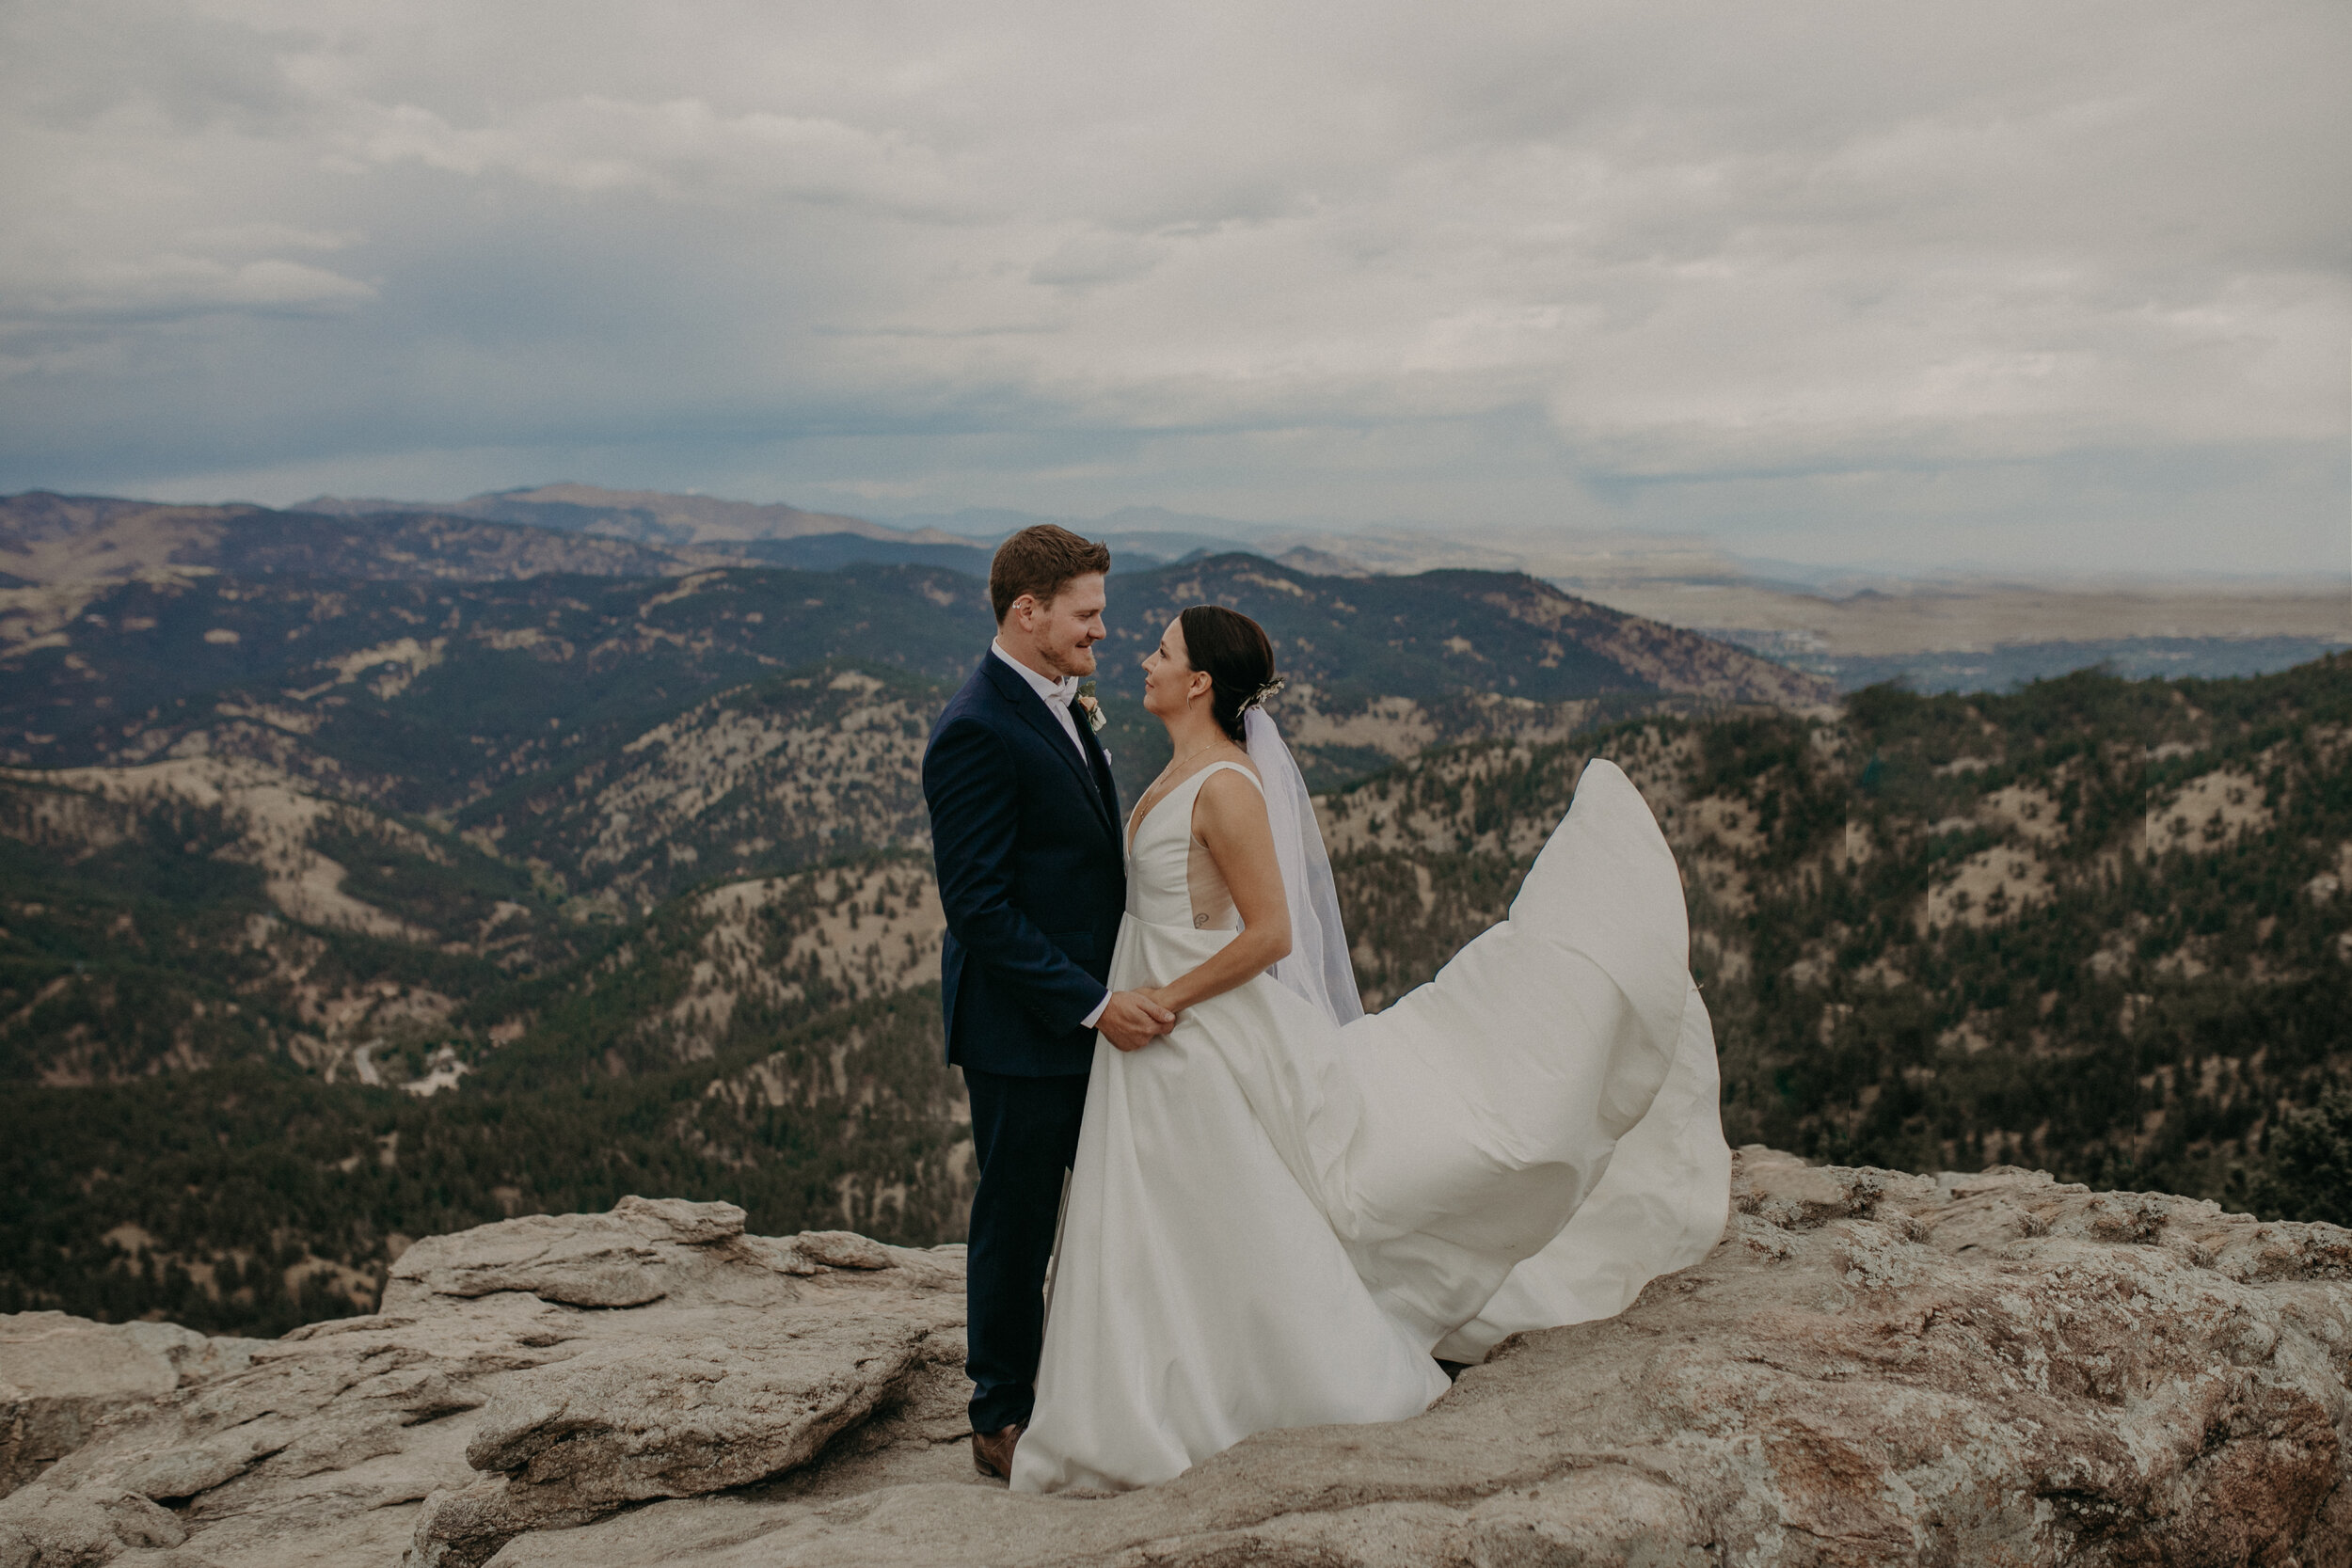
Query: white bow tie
{"points": [[1066, 690]]}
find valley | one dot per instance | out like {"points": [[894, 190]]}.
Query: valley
{"points": [[337, 910]]}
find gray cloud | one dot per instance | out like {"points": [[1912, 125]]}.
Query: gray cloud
{"points": [[2065, 286]]}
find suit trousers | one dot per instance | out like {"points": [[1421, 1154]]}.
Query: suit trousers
{"points": [[1025, 1136]]}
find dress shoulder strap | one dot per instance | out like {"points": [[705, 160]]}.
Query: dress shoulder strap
{"points": [[1223, 766]]}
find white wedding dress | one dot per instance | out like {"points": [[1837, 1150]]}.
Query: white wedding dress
{"points": [[1276, 1220]]}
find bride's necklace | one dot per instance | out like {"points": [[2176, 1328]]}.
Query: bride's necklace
{"points": [[1153, 795], [1174, 762]]}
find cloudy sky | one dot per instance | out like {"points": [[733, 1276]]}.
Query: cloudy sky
{"points": [[2057, 286]]}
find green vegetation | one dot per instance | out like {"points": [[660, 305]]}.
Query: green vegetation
{"points": [[244, 1178], [130, 958], [430, 695], [633, 875], [2096, 926], [171, 1149], [2310, 1161], [773, 779], [427, 880]]}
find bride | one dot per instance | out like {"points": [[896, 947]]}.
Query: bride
{"points": [[1284, 1210]]}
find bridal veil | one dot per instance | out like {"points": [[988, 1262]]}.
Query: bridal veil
{"points": [[1319, 968]]}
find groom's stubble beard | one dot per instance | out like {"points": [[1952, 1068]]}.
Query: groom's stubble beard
{"points": [[1074, 624], [1080, 661]]}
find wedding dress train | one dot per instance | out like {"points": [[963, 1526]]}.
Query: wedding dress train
{"points": [[1275, 1220]]}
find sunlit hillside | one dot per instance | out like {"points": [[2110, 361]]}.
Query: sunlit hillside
{"points": [[2097, 927], [334, 912]]}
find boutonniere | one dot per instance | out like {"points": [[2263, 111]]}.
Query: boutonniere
{"points": [[1092, 709]]}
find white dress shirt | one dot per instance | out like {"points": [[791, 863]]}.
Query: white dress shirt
{"points": [[1058, 695]]}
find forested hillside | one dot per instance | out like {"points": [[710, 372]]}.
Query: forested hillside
{"points": [[337, 911], [2095, 927], [224, 1112], [430, 695], [339, 908]]}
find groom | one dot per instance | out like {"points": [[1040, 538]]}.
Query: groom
{"points": [[1025, 830]]}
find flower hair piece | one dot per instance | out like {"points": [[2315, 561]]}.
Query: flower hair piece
{"points": [[1257, 699]]}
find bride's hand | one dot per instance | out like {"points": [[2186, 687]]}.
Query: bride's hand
{"points": [[1132, 1018]]}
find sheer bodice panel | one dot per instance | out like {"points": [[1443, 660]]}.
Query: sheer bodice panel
{"points": [[1171, 878]]}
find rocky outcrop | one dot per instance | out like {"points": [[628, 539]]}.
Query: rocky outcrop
{"points": [[535, 1374], [60, 1376], [1871, 1368]]}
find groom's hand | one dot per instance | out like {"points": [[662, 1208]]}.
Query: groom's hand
{"points": [[1133, 1020]]}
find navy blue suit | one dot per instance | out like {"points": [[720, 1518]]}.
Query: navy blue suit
{"points": [[1026, 835]]}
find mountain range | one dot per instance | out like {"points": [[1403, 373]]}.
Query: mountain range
{"points": [[1936, 632], [339, 907], [647, 517], [259, 1027], [478, 852], [428, 677]]}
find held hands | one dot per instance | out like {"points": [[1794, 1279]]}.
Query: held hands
{"points": [[1132, 1020]]}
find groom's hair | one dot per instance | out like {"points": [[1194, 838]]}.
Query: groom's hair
{"points": [[1036, 561]]}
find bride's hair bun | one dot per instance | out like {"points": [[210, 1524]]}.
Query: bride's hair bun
{"points": [[1234, 652]]}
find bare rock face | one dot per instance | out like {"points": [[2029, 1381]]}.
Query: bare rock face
{"points": [[60, 1376], [627, 1257], [1871, 1367], [535, 1374]]}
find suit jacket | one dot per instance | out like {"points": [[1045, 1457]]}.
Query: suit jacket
{"points": [[1026, 835]]}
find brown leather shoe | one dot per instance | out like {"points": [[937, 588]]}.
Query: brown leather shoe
{"points": [[992, 1451]]}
